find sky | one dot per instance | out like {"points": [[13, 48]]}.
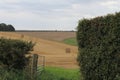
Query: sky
{"points": [[53, 14]]}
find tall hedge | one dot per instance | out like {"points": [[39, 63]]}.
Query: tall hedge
{"points": [[99, 47], [13, 53]]}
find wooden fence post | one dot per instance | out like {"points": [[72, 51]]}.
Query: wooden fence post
{"points": [[34, 66]]}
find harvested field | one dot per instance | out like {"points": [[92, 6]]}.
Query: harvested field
{"points": [[54, 52], [55, 36]]}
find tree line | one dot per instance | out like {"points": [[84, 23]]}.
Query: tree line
{"points": [[5, 27]]}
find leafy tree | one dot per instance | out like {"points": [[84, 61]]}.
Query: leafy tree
{"points": [[5, 27], [10, 28]]}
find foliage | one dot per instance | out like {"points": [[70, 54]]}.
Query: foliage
{"points": [[99, 47], [71, 41], [12, 75], [5, 27], [12, 53], [53, 73]]}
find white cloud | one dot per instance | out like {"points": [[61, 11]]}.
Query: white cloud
{"points": [[76, 6], [109, 3], [10, 1], [53, 14], [112, 5]]}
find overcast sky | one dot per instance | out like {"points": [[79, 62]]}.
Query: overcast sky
{"points": [[53, 14]]}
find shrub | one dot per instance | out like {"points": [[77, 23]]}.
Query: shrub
{"points": [[99, 47], [13, 52], [12, 75]]}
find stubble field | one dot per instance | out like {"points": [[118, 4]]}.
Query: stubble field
{"points": [[51, 35], [54, 52]]}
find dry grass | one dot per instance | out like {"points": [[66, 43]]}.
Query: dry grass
{"points": [[54, 52]]}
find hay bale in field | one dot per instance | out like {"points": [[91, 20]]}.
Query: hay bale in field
{"points": [[68, 50]]}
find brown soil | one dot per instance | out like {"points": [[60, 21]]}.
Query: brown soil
{"points": [[54, 52], [56, 36]]}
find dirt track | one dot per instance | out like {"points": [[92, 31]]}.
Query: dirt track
{"points": [[54, 52]]}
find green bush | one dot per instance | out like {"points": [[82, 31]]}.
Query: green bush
{"points": [[13, 52], [99, 47]]}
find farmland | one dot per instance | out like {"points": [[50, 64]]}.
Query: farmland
{"points": [[71, 41], [50, 35], [54, 52]]}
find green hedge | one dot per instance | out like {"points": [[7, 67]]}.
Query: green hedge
{"points": [[12, 53], [99, 47]]}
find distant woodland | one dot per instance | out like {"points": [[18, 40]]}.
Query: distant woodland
{"points": [[5, 27]]}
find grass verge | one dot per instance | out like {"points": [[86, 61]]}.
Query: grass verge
{"points": [[50, 73], [53, 73]]}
